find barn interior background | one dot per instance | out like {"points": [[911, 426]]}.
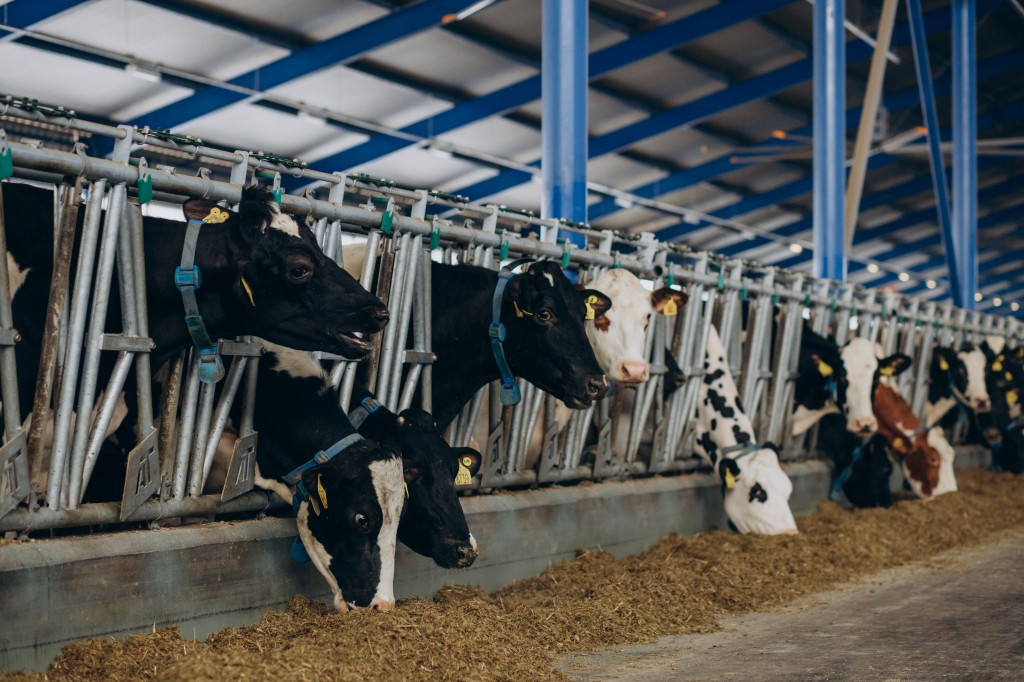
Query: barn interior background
{"points": [[680, 149]]}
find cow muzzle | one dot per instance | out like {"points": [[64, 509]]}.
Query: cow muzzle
{"points": [[981, 404], [379, 604], [865, 425], [633, 372], [456, 554]]}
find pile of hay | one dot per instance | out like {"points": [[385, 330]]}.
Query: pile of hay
{"points": [[680, 585]]}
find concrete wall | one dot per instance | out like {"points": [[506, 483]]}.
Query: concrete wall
{"points": [[211, 576]]}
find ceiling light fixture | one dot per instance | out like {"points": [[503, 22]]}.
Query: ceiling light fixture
{"points": [[872, 268], [144, 70]]}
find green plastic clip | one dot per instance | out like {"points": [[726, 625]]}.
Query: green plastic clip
{"points": [[386, 221], [835, 303], [277, 196], [6, 163], [565, 259], [807, 301], [435, 238], [145, 187], [503, 251], [743, 293], [670, 279], [721, 278], [775, 298]]}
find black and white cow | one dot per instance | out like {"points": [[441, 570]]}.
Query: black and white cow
{"points": [[262, 273], [835, 389], [756, 490], [544, 343], [947, 384], [297, 414], [1005, 383]]}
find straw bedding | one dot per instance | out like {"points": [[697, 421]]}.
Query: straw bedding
{"points": [[679, 585]]}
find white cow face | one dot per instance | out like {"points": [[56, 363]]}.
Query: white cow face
{"points": [[758, 501], [975, 362], [862, 360], [947, 477], [618, 336]]}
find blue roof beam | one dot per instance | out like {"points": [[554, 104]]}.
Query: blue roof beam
{"points": [[28, 13]]}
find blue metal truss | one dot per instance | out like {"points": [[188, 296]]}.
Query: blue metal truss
{"points": [[518, 94], [339, 49]]}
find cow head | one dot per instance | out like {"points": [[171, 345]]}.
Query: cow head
{"points": [[619, 336], [756, 493], [1008, 453], [544, 340], [349, 523], [907, 441], [434, 524], [822, 375], [947, 370], [975, 363], [282, 286], [864, 365], [868, 484]]}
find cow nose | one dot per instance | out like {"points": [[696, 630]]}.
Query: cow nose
{"points": [[467, 555], [379, 604], [633, 372], [866, 424], [379, 315], [981, 405], [597, 386]]}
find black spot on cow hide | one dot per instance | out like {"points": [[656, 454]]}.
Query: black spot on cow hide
{"points": [[758, 493], [742, 437], [714, 424], [714, 376], [709, 446]]}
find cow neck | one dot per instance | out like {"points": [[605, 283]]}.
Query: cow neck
{"points": [[214, 253], [465, 360]]}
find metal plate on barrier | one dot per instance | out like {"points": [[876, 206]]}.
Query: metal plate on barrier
{"points": [[493, 455], [143, 477], [603, 465], [13, 473], [241, 475]]}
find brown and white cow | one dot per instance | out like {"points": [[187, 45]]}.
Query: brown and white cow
{"points": [[923, 453], [755, 488]]}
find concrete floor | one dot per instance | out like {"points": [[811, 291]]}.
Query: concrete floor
{"points": [[959, 616]]}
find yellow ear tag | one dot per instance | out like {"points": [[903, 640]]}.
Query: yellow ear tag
{"points": [[591, 313], [997, 366], [519, 311], [943, 365], [887, 371], [216, 216], [670, 309], [730, 480], [320, 491], [248, 291], [897, 442], [406, 490], [1012, 397], [463, 477], [824, 368], [1009, 377]]}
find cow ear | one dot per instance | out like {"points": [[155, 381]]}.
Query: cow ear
{"points": [[668, 301], [207, 211], [728, 470], [469, 459], [597, 304], [894, 365]]}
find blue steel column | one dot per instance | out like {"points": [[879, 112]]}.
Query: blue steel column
{"points": [[564, 106], [931, 121], [829, 139], [965, 155]]}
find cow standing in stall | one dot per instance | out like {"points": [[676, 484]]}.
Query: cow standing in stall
{"points": [[1005, 384], [755, 489], [352, 544], [257, 272]]}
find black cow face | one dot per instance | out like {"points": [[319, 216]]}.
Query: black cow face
{"points": [[947, 369], [545, 340], [822, 374], [1004, 376], [868, 484], [434, 524], [285, 289], [349, 523]]}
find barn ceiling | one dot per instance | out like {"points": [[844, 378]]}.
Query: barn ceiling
{"points": [[700, 111]]}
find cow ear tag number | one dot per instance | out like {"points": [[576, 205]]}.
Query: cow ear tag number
{"points": [[943, 365], [824, 368], [591, 312], [463, 477], [216, 215], [670, 309]]}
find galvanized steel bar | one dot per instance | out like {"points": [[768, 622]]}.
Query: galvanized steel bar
{"points": [[830, 139], [964, 228]]}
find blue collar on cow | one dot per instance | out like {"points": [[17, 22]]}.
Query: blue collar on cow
{"points": [[298, 550], [367, 407], [749, 446], [509, 393], [187, 279], [837, 494]]}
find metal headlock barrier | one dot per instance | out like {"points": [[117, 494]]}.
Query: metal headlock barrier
{"points": [[44, 476]]}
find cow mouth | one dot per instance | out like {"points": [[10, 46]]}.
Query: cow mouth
{"points": [[351, 346], [576, 403]]}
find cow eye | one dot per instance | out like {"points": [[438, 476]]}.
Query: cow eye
{"points": [[544, 315], [647, 320], [299, 271], [362, 522]]}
